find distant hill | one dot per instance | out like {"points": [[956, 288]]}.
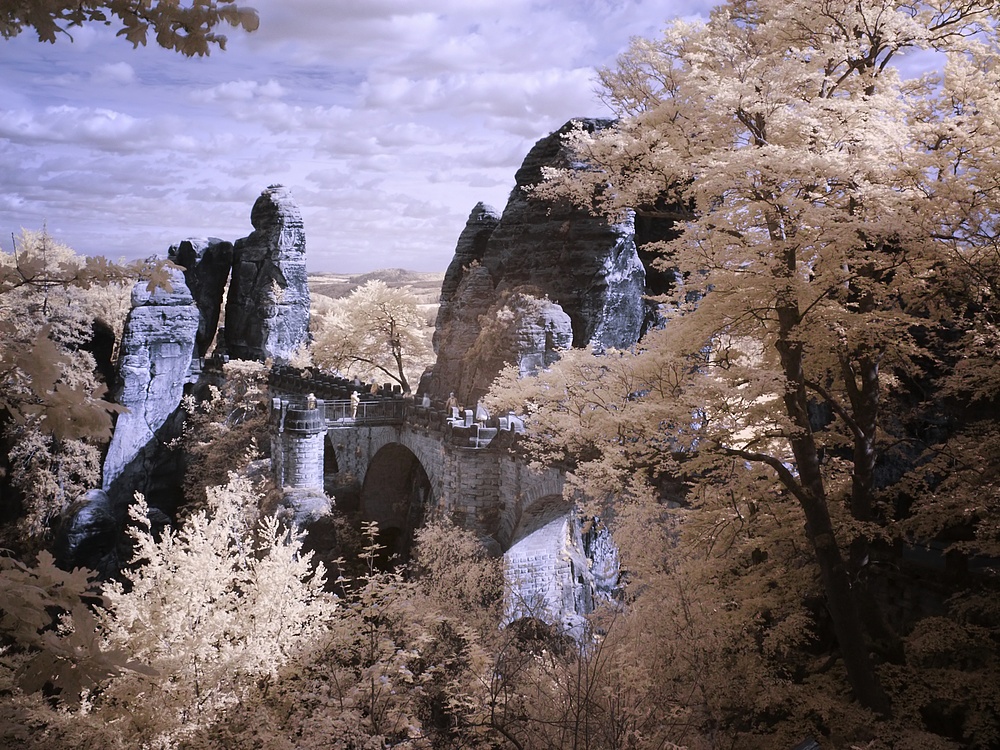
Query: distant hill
{"points": [[425, 286]]}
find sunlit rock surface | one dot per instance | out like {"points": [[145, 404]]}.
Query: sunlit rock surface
{"points": [[267, 310], [559, 567], [157, 349]]}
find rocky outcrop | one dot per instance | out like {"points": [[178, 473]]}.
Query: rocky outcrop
{"points": [[520, 327], [167, 331], [207, 264], [157, 346], [88, 533], [267, 311], [559, 567], [457, 331], [588, 269], [587, 265], [469, 250]]}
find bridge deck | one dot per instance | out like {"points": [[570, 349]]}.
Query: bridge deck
{"points": [[342, 413]]}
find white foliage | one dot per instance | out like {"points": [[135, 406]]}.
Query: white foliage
{"points": [[212, 607]]}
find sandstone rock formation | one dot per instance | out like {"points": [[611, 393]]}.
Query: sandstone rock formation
{"points": [[88, 532], [519, 327], [267, 317], [470, 249], [267, 311], [207, 265], [457, 330], [588, 270], [158, 346], [559, 567], [583, 263]]}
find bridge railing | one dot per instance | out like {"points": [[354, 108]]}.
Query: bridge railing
{"points": [[378, 411]]}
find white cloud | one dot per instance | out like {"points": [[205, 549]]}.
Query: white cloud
{"points": [[239, 91], [119, 73]]}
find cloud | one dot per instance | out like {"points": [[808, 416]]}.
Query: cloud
{"points": [[388, 119], [98, 128], [239, 91], [119, 73]]}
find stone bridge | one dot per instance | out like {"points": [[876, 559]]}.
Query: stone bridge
{"points": [[402, 464]]}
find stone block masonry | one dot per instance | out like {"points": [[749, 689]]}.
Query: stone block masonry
{"points": [[298, 436], [410, 471]]}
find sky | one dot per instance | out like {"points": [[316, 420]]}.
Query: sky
{"points": [[388, 120]]}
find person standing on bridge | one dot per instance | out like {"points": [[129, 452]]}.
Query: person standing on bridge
{"points": [[355, 400]]}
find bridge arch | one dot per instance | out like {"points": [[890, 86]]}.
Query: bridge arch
{"points": [[546, 564], [397, 494]]}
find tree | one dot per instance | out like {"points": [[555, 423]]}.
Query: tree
{"points": [[374, 331], [188, 29], [49, 304], [53, 414], [213, 607], [222, 430], [821, 197]]}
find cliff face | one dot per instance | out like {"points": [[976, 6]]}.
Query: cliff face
{"points": [[587, 266], [157, 349], [267, 312], [587, 271], [166, 332]]}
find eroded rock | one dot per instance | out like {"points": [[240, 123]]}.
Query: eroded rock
{"points": [[207, 264], [588, 269], [582, 262], [520, 327], [267, 311], [157, 349]]}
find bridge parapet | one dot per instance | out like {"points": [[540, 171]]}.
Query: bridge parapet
{"points": [[350, 403], [368, 411], [458, 428]]}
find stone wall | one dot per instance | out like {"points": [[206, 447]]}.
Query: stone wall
{"points": [[297, 444], [487, 489]]}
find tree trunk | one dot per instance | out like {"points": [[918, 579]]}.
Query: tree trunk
{"points": [[862, 384], [844, 612]]}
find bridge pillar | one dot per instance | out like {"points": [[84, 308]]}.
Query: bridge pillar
{"points": [[297, 435]]}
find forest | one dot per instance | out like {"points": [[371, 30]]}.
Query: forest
{"points": [[798, 462]]}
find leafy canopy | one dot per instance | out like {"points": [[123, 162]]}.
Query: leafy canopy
{"points": [[49, 299], [186, 28], [834, 216], [376, 331]]}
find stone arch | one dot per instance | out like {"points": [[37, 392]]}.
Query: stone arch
{"points": [[523, 488], [546, 567], [397, 494]]}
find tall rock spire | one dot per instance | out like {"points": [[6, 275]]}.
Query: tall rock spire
{"points": [[267, 312]]}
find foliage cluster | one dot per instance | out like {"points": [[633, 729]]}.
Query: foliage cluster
{"points": [[826, 365], [222, 429], [375, 332], [53, 413], [188, 29]]}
